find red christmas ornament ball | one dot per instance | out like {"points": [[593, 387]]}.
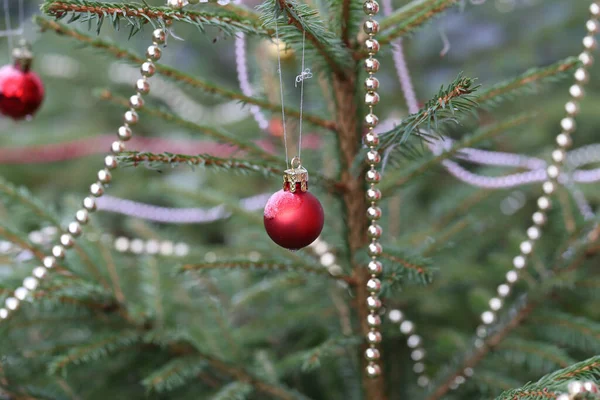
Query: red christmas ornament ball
{"points": [[293, 220], [21, 92]]}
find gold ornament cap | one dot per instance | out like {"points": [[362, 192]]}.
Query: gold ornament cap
{"points": [[23, 56], [294, 176]]}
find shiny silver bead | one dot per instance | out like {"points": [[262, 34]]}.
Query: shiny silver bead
{"points": [[142, 86], [117, 147], [175, 4], [374, 249], [89, 203], [374, 231], [575, 387], [371, 26], [110, 162], [3, 313], [503, 290], [526, 247], [373, 370], [39, 272], [30, 283], [586, 59], [124, 132], [417, 355], [581, 76], [544, 203], [67, 240], [564, 140], [372, 46], [153, 52], [373, 157], [104, 176], [373, 194], [519, 262], [136, 101], [413, 341], [58, 251], [21, 293], [372, 354], [371, 7], [375, 267], [568, 124], [373, 303], [589, 42], [371, 65], [371, 120], [159, 36], [96, 189], [572, 107], [148, 69], [395, 316], [533, 233], [374, 285], [512, 276], [552, 171], [488, 317], [539, 218], [373, 320], [373, 213], [374, 337], [576, 91], [495, 304], [592, 26], [373, 176], [558, 155], [371, 98], [548, 187], [74, 229], [407, 327], [371, 139], [131, 117], [595, 9], [371, 83], [49, 262], [12, 303], [82, 216]]}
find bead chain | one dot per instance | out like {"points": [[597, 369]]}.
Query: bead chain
{"points": [[74, 228], [539, 217], [371, 27], [580, 390]]}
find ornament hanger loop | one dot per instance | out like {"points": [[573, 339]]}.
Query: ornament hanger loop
{"points": [[296, 162]]}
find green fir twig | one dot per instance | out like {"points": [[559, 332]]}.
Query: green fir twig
{"points": [[177, 75]]}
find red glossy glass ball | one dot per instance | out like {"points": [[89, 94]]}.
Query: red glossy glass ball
{"points": [[293, 220], [21, 92]]}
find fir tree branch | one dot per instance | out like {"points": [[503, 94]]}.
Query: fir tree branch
{"points": [[178, 76], [422, 166], [409, 18], [262, 265], [23, 243], [174, 373], [137, 14], [303, 19], [214, 132], [529, 82], [233, 391]]}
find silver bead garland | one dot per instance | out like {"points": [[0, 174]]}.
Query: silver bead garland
{"points": [[373, 158], [67, 240]]}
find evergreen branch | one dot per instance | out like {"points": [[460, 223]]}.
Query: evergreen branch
{"points": [[214, 132], [152, 160], [547, 386], [233, 391], [422, 166], [241, 375], [137, 14], [575, 332], [530, 82], [93, 351], [402, 266], [408, 19], [312, 359], [174, 374], [295, 19], [178, 76], [261, 265], [538, 356], [21, 242]]}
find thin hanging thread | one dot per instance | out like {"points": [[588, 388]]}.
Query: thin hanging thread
{"points": [[304, 74], [8, 28]]}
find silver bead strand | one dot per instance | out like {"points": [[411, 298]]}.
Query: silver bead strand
{"points": [[97, 188], [373, 158], [544, 203]]}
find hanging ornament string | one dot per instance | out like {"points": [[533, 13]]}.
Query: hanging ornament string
{"points": [[293, 217], [9, 32]]}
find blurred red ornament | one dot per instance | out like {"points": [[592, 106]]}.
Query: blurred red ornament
{"points": [[21, 91], [294, 217], [276, 127]]}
